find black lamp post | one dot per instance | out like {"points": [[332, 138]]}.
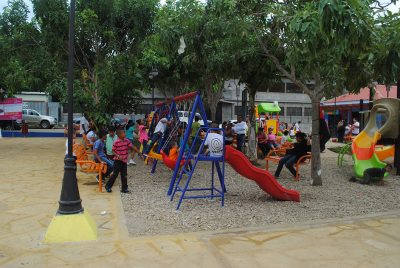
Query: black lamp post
{"points": [[153, 73], [70, 201]]}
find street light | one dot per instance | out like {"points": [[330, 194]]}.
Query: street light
{"points": [[70, 201], [153, 73], [71, 223]]}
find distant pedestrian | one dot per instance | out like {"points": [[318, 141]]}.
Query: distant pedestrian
{"points": [[83, 124], [240, 129], [341, 130], [355, 127]]}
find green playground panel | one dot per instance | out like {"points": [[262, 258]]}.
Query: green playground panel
{"points": [[268, 108]]}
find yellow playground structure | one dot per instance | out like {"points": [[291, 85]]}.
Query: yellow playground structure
{"points": [[267, 115]]}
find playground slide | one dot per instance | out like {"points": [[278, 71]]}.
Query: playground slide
{"points": [[263, 178], [365, 153]]}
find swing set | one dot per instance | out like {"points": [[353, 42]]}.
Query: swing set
{"points": [[184, 167]]}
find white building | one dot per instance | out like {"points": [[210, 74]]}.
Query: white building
{"points": [[295, 105]]}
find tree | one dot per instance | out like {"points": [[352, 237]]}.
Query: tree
{"points": [[19, 69], [322, 41], [386, 60], [209, 34]]}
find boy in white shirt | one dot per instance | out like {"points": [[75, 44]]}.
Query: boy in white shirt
{"points": [[214, 142]]}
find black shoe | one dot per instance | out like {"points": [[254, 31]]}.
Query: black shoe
{"points": [[125, 191], [108, 189], [353, 179]]}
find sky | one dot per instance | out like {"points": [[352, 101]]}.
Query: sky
{"points": [[3, 3]]}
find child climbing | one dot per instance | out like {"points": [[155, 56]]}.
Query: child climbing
{"points": [[373, 175]]}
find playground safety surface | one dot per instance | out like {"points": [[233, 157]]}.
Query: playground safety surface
{"points": [[31, 173]]}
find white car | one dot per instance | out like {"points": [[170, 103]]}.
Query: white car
{"points": [[184, 117], [35, 119]]}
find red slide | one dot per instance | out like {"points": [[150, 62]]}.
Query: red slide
{"points": [[263, 178]]}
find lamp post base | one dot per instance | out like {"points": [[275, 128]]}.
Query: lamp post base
{"points": [[71, 228]]}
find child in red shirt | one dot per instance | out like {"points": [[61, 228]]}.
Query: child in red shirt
{"points": [[120, 150]]}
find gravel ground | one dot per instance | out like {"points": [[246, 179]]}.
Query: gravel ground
{"points": [[148, 210]]}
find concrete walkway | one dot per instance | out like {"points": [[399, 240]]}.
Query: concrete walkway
{"points": [[31, 171]]}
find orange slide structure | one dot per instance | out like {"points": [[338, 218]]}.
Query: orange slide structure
{"points": [[365, 152], [263, 178]]}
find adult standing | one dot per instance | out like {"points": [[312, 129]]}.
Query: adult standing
{"points": [[240, 129], [324, 134], [297, 127], [355, 127], [340, 130], [83, 125], [158, 133]]}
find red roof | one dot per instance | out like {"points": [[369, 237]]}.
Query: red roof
{"points": [[364, 95]]}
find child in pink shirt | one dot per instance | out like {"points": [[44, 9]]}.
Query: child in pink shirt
{"points": [[143, 136], [271, 139]]}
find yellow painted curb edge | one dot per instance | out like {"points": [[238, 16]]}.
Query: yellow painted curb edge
{"points": [[71, 228]]}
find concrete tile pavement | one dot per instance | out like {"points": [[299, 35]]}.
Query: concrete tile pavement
{"points": [[31, 173]]}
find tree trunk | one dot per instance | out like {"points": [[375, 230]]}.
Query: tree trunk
{"points": [[213, 108], [397, 145], [212, 97], [252, 152], [315, 148]]}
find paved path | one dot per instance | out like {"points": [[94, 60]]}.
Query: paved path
{"points": [[31, 171]]}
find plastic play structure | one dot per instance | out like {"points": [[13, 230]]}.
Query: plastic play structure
{"points": [[366, 154], [271, 115], [184, 167]]}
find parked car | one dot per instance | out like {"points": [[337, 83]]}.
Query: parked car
{"points": [[118, 123], [35, 119]]}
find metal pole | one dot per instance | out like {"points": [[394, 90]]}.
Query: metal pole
{"points": [[152, 94], [70, 201], [237, 105], [334, 120]]}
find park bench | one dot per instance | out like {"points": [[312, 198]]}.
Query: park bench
{"points": [[89, 166], [276, 155]]}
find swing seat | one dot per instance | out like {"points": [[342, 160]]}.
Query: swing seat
{"points": [[169, 162], [154, 155]]}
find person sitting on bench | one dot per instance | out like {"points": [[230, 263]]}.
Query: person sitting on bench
{"points": [[292, 155]]}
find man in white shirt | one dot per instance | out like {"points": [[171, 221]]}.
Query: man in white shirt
{"points": [[240, 129], [297, 126], [355, 127], [158, 133], [214, 142], [84, 125]]}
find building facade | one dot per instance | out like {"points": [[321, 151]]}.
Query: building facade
{"points": [[295, 105]]}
